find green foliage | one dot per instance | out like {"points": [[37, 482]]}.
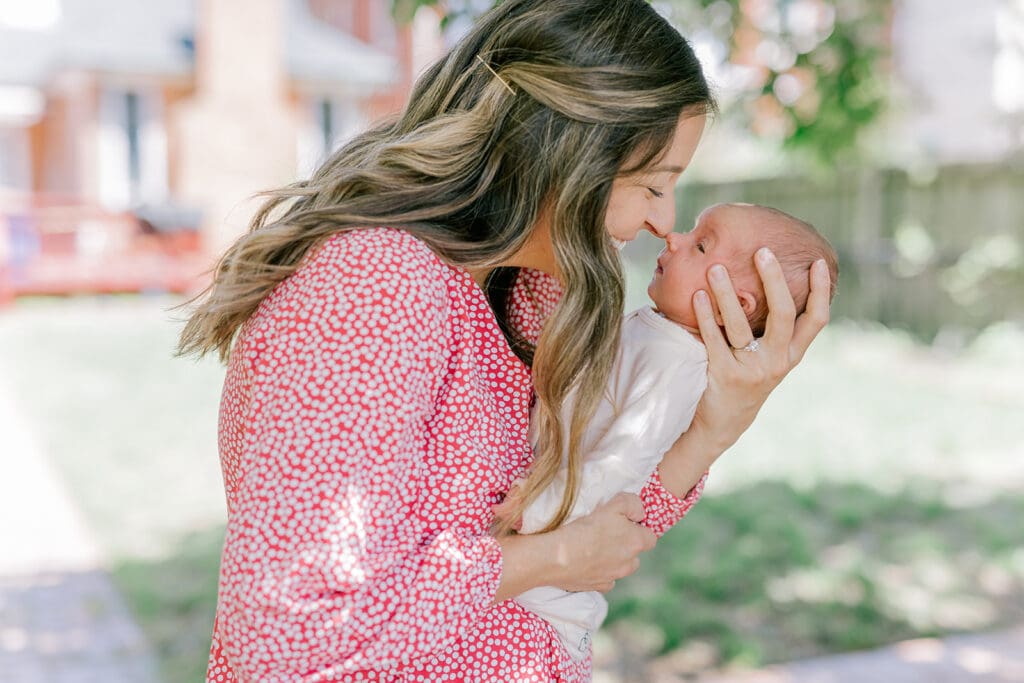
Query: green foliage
{"points": [[173, 599], [450, 10], [758, 576], [817, 69], [813, 73]]}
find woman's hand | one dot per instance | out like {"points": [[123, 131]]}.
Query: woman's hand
{"points": [[590, 553], [740, 377], [739, 380], [596, 550]]}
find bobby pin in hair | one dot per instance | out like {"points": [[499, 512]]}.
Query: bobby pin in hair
{"points": [[507, 86]]}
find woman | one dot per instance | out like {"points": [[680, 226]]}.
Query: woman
{"points": [[388, 322]]}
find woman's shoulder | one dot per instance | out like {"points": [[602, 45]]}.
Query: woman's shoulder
{"points": [[381, 247], [377, 257], [380, 269]]}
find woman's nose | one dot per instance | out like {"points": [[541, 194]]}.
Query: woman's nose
{"points": [[662, 217]]}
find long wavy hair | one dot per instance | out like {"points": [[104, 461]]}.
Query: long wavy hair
{"points": [[468, 167]]}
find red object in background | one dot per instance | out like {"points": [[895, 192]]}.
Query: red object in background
{"points": [[59, 246]]}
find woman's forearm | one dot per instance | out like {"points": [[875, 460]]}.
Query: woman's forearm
{"points": [[528, 561], [687, 460], [587, 554]]}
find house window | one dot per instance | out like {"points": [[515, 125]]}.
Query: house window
{"points": [[327, 125], [331, 122], [132, 148], [338, 119], [15, 160], [131, 125]]}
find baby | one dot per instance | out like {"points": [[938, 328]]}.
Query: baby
{"points": [[661, 372]]}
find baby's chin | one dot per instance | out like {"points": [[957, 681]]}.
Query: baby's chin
{"points": [[680, 316]]}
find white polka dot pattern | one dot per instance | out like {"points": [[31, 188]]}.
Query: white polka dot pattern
{"points": [[372, 414]]}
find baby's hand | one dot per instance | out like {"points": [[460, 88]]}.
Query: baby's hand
{"points": [[504, 509]]}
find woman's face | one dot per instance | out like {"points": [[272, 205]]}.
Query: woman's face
{"points": [[645, 200]]}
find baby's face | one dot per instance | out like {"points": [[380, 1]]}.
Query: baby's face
{"points": [[719, 236]]}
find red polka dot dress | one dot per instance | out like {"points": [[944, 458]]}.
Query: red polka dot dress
{"points": [[372, 414]]}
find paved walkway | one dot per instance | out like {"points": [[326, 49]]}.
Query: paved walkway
{"points": [[976, 658], [979, 658], [61, 619]]}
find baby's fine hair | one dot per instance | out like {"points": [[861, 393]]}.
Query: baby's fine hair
{"points": [[797, 245]]}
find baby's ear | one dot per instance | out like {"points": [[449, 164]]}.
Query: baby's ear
{"points": [[748, 301]]}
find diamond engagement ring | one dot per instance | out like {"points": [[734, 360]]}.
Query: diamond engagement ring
{"points": [[752, 346]]}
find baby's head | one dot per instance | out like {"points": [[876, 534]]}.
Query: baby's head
{"points": [[731, 234]]}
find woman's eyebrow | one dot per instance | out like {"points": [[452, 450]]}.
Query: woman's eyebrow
{"points": [[667, 169]]}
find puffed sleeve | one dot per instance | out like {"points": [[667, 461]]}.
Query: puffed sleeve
{"points": [[327, 567]]}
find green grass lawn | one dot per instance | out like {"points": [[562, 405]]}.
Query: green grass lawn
{"points": [[879, 495]]}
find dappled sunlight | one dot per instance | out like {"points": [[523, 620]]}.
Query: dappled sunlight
{"points": [[816, 585], [870, 503], [770, 572], [998, 658], [931, 591], [129, 426], [890, 415]]}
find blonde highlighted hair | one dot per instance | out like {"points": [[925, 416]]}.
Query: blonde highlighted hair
{"points": [[469, 166]]}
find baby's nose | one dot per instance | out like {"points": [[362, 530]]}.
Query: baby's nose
{"points": [[672, 241]]}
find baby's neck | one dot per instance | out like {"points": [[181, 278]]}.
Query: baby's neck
{"points": [[692, 330]]}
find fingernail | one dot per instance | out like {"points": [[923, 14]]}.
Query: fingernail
{"points": [[701, 296], [718, 273], [765, 255]]}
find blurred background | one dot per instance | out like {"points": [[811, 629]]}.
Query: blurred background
{"points": [[879, 497]]}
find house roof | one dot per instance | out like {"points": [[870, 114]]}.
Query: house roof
{"points": [[155, 37], [321, 54]]}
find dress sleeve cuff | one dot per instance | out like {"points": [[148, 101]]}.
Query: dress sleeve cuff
{"points": [[663, 507], [491, 567]]}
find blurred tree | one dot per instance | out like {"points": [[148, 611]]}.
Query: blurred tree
{"points": [[810, 74]]}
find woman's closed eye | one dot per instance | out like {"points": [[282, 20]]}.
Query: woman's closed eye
{"points": [[656, 193]]}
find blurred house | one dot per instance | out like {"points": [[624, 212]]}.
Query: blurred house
{"points": [[961, 67], [174, 112]]}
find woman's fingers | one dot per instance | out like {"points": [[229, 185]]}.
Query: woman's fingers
{"points": [[816, 315], [629, 505], [778, 331], [604, 545], [710, 334], [737, 329]]}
